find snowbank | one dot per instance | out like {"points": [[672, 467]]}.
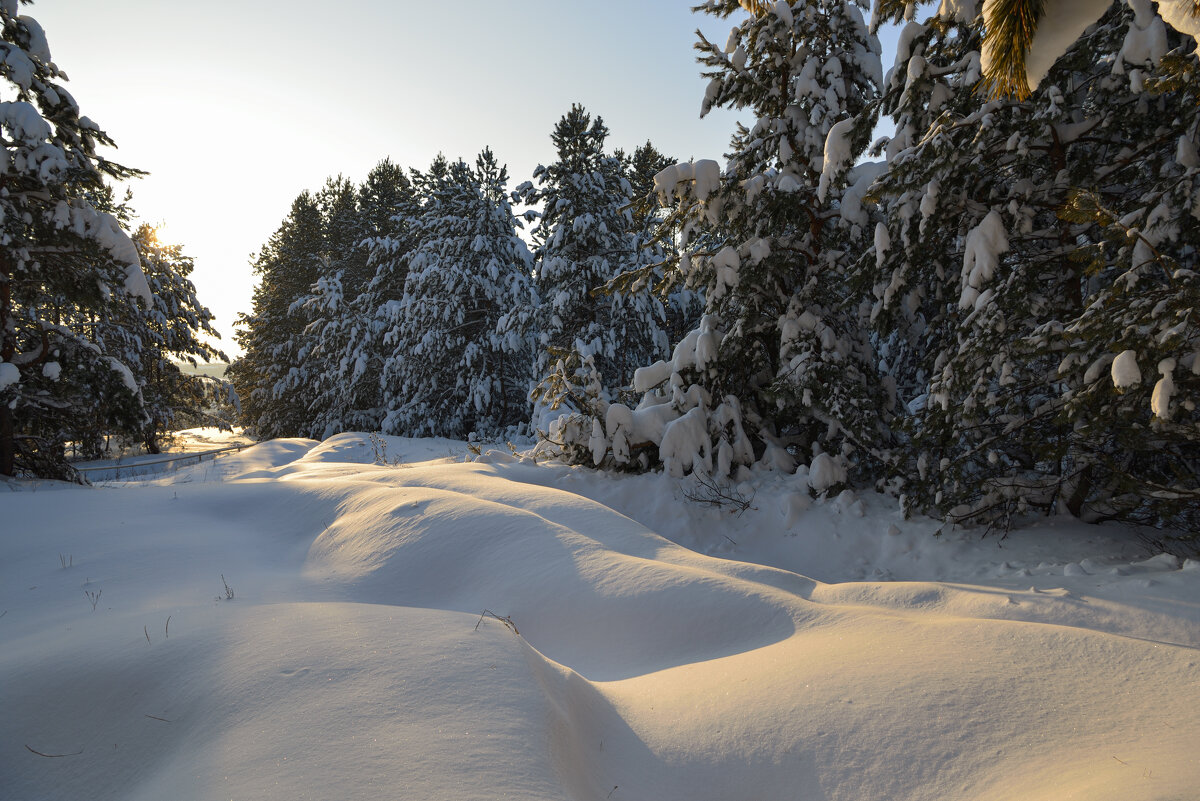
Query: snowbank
{"points": [[353, 662]]}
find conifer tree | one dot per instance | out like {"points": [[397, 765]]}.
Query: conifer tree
{"points": [[61, 260], [451, 373], [654, 243], [780, 353], [270, 336], [343, 307], [1034, 275], [169, 331], [585, 237], [319, 313]]}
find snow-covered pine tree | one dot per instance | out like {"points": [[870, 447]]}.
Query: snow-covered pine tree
{"points": [[1025, 37], [450, 372], [343, 307], [61, 258], [317, 343], [287, 266], [584, 238], [769, 240], [1035, 253], [170, 331], [387, 205], [654, 243]]}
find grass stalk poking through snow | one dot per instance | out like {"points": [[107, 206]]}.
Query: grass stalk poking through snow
{"points": [[507, 621]]}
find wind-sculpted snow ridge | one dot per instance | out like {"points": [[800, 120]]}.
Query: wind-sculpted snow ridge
{"points": [[353, 660]]}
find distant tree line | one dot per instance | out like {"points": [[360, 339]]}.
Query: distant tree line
{"points": [[411, 305]]}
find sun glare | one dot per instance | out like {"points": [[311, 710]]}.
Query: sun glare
{"points": [[162, 235]]}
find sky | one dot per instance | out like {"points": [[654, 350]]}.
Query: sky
{"points": [[236, 107]]}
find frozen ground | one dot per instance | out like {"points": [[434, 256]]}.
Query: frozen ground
{"points": [[297, 622]]}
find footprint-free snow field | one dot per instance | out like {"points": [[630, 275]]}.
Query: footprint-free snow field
{"points": [[300, 622]]}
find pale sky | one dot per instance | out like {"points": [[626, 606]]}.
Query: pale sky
{"points": [[236, 106]]}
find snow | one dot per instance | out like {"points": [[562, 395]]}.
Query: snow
{"points": [[1160, 398], [22, 119], [646, 378], [726, 263], [1146, 38], [981, 256], [704, 173], [124, 372], [9, 374], [963, 11], [107, 232], [637, 644], [837, 154], [1179, 14], [667, 179], [707, 177], [1125, 372], [825, 472], [38, 48], [685, 444]]}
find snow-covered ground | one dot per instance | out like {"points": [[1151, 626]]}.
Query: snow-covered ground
{"points": [[298, 622], [184, 448]]}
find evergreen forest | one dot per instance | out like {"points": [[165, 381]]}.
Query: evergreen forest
{"points": [[964, 281]]}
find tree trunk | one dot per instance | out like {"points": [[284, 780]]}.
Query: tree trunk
{"points": [[8, 445]]}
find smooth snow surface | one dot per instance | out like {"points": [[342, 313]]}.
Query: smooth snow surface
{"points": [[819, 650]]}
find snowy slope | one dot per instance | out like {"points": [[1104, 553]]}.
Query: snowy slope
{"points": [[665, 650]]}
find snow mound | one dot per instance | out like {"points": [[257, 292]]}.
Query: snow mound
{"points": [[306, 622]]}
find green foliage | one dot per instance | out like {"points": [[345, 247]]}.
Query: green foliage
{"points": [[1032, 252], [585, 237], [451, 372], [64, 261]]}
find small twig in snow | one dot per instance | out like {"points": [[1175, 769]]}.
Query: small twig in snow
{"points": [[52, 756], [507, 621], [715, 493]]}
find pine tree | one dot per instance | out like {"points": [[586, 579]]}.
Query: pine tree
{"points": [[585, 237], [61, 259], [654, 242], [1015, 58], [270, 336], [345, 355], [170, 331], [451, 373], [1034, 266], [780, 353], [319, 313]]}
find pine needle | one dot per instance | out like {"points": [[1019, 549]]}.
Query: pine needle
{"points": [[1011, 25]]}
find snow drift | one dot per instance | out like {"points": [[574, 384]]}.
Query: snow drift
{"points": [[352, 660]]}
